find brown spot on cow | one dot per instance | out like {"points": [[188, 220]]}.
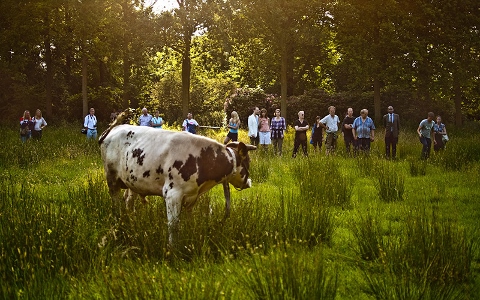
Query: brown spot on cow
{"points": [[159, 170], [188, 169], [139, 154], [130, 134], [133, 178], [212, 165], [146, 174]]}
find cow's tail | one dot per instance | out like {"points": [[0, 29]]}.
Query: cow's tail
{"points": [[123, 118]]}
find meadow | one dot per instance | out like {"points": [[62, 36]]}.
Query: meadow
{"points": [[320, 227]]}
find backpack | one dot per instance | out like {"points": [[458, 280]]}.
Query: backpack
{"points": [[190, 127]]}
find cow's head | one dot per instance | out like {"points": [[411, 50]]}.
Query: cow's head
{"points": [[241, 179]]}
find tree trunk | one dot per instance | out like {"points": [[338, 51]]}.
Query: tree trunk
{"points": [[126, 80], [126, 61], [284, 76], [457, 94], [49, 67], [376, 100], [186, 76], [84, 82]]}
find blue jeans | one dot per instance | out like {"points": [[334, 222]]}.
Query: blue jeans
{"points": [[91, 134], [26, 137], [427, 144]]}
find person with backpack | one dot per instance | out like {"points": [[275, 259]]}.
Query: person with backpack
{"points": [[189, 124], [26, 126], [90, 124]]}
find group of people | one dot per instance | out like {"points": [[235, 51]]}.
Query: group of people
{"points": [[358, 132], [189, 124], [32, 127], [263, 131]]}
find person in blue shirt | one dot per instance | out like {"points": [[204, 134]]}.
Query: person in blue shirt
{"points": [[145, 119], [233, 125], [425, 129], [441, 137], [363, 131], [157, 121]]}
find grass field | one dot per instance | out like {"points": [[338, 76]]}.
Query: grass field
{"points": [[309, 228]]}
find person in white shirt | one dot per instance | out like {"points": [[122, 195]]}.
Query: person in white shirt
{"points": [[330, 122], [189, 124], [145, 119], [157, 121], [90, 123], [253, 126], [39, 123]]}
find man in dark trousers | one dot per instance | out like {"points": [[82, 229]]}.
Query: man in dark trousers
{"points": [[391, 121]]}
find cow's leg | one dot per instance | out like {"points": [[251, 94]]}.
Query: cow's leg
{"points": [[129, 198], [173, 202], [115, 189], [226, 192]]}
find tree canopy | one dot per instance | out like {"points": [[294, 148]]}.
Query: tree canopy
{"points": [[65, 56]]}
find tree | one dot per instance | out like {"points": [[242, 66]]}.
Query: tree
{"points": [[280, 26], [368, 42], [191, 17]]}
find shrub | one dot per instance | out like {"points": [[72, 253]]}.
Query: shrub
{"points": [[390, 183]]}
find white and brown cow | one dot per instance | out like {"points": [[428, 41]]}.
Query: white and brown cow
{"points": [[179, 166]]}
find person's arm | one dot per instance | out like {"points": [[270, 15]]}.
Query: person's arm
{"points": [[354, 131], [433, 132], [251, 125], [85, 122], [372, 131], [44, 123], [418, 130]]}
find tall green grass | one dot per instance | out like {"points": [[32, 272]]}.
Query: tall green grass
{"points": [[309, 228], [431, 257]]}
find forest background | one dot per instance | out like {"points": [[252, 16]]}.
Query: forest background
{"points": [[213, 56]]}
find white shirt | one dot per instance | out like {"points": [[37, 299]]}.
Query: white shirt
{"points": [[331, 122], [253, 125], [39, 123], [191, 122], [90, 122]]}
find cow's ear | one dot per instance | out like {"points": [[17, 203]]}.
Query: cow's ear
{"points": [[242, 149], [251, 147], [233, 145]]}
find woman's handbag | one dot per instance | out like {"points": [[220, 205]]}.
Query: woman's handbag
{"points": [[84, 130], [445, 138], [24, 131]]}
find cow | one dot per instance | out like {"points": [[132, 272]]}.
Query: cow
{"points": [[178, 166]]}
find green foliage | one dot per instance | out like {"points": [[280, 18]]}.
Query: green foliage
{"points": [[417, 167], [418, 263], [243, 100], [390, 183], [289, 275], [309, 228]]}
